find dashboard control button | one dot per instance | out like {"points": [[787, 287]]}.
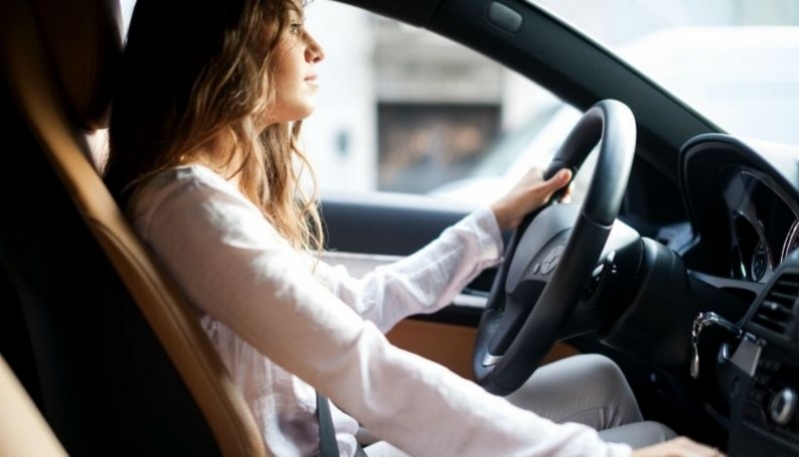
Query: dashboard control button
{"points": [[783, 406]]}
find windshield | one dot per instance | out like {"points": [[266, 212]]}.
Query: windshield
{"points": [[734, 61]]}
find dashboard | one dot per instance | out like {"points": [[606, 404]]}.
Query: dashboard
{"points": [[743, 203], [764, 229]]}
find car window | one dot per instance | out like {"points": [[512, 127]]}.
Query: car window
{"points": [[403, 110], [439, 120], [736, 62]]}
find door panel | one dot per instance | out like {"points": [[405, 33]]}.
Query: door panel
{"points": [[451, 345], [367, 230], [448, 344], [386, 223]]}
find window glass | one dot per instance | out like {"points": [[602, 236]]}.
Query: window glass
{"points": [[126, 8], [401, 109], [735, 61]]}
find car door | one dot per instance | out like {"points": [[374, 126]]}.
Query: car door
{"points": [[406, 133], [366, 230]]}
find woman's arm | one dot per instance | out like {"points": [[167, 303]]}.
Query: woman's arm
{"points": [[425, 281], [429, 279], [234, 267]]}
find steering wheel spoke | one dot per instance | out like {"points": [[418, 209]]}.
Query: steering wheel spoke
{"points": [[516, 310]]}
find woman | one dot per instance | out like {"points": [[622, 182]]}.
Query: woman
{"points": [[204, 159]]}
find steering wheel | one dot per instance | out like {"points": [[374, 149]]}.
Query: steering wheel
{"points": [[552, 255]]}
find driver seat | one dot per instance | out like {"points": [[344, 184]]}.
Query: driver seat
{"points": [[23, 430], [113, 354]]}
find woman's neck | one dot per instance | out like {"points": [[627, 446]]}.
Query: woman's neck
{"points": [[212, 155]]}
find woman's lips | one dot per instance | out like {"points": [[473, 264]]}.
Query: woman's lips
{"points": [[312, 81]]}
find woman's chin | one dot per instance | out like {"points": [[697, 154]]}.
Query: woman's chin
{"points": [[296, 114]]}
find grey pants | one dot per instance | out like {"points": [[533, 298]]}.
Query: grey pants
{"points": [[586, 388], [589, 389]]}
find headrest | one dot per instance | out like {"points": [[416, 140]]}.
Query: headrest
{"points": [[84, 40]]}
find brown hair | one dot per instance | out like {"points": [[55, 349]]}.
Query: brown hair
{"points": [[199, 73]]}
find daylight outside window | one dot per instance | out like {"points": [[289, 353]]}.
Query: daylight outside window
{"points": [[439, 119], [403, 110]]}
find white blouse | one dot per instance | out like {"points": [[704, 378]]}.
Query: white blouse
{"points": [[284, 328]]}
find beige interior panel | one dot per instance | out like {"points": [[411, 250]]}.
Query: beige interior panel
{"points": [[23, 430], [451, 345]]}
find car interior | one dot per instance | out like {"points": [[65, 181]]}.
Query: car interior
{"points": [[100, 337], [680, 264], [23, 430]]}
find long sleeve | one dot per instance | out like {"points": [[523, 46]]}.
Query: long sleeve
{"points": [[235, 267], [425, 281]]}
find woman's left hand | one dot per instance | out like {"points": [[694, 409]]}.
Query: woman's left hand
{"points": [[531, 192]]}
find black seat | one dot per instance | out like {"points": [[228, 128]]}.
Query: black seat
{"points": [[100, 337]]}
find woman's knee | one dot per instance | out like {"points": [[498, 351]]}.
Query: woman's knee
{"points": [[603, 368]]}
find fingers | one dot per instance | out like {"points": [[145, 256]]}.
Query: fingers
{"points": [[692, 448], [678, 447], [557, 182], [560, 179], [530, 193], [564, 174]]}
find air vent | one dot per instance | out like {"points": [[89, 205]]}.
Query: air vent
{"points": [[775, 311]]}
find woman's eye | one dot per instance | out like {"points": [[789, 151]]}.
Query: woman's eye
{"points": [[295, 28]]}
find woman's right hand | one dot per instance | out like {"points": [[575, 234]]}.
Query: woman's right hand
{"points": [[678, 447], [529, 193]]}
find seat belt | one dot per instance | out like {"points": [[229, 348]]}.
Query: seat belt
{"points": [[328, 446]]}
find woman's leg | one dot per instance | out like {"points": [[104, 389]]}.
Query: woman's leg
{"points": [[586, 388], [590, 389]]}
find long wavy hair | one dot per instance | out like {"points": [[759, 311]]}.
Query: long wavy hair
{"points": [[199, 73]]}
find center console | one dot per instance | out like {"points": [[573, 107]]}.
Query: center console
{"points": [[760, 375]]}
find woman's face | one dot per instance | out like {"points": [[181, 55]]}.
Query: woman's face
{"points": [[295, 80]]}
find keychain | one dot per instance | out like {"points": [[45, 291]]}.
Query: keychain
{"points": [[701, 321]]}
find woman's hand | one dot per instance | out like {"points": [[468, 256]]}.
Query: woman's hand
{"points": [[527, 195], [677, 447]]}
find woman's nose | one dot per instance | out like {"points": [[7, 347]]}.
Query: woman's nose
{"points": [[313, 52]]}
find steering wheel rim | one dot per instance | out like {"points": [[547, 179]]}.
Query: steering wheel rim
{"points": [[514, 335]]}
